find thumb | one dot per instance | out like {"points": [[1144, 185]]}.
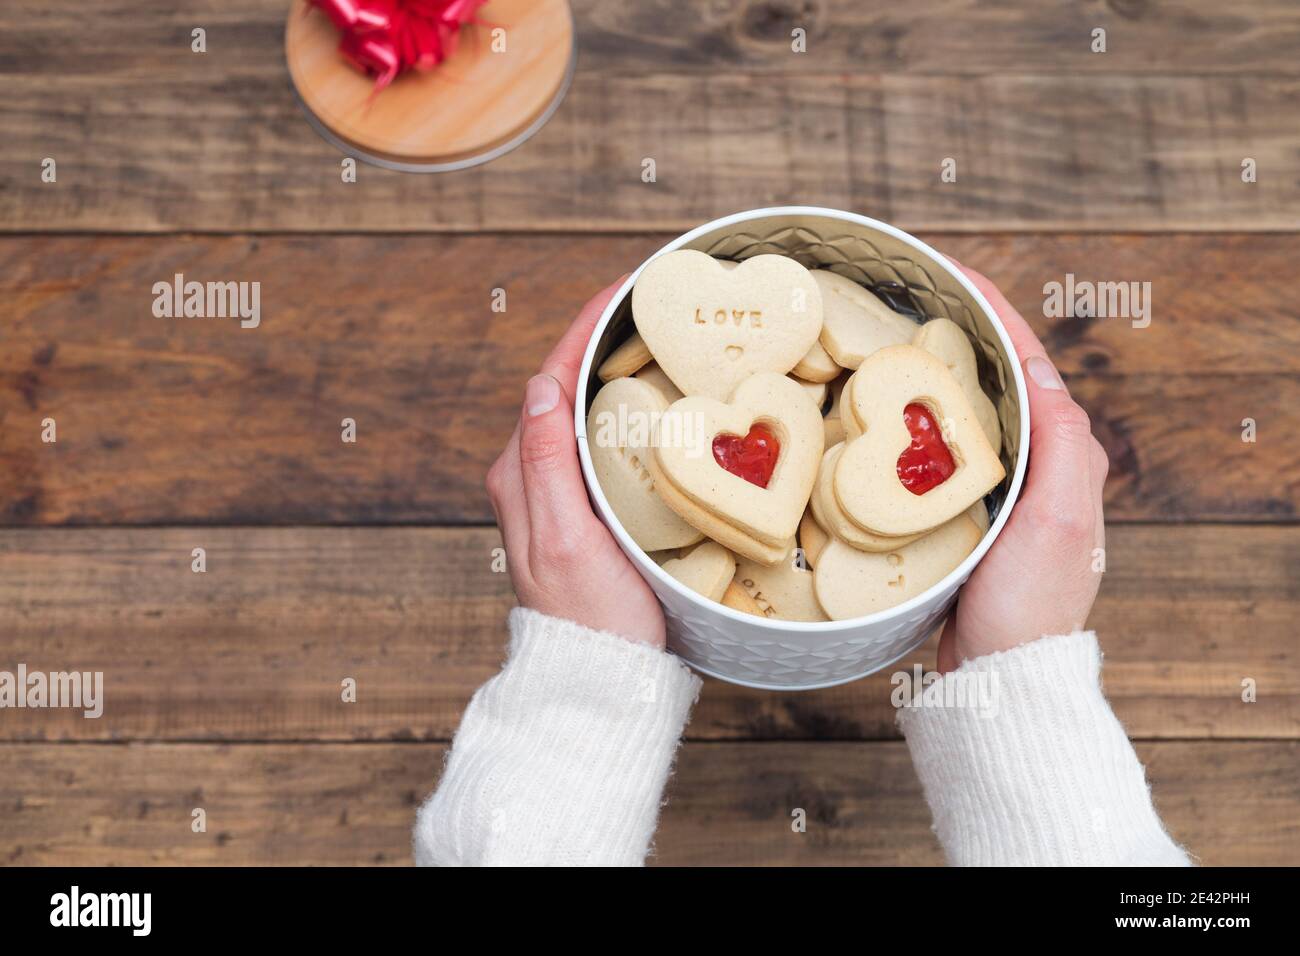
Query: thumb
{"points": [[548, 456], [1060, 447]]}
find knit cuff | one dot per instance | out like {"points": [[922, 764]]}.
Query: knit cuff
{"points": [[1024, 763], [563, 756]]}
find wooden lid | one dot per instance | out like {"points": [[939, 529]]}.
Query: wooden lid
{"points": [[474, 106]]}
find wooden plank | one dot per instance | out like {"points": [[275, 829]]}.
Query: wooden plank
{"points": [[963, 37], [1230, 802], [185, 421], [150, 137], [257, 647], [956, 37]]}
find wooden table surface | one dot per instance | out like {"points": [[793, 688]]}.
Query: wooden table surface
{"points": [[374, 560]]}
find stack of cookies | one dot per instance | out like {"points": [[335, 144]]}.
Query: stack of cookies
{"points": [[782, 442]]}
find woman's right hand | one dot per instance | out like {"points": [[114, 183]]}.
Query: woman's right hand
{"points": [[1042, 574], [563, 561]]}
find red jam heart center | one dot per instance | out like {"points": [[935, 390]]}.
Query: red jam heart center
{"points": [[752, 457], [926, 463]]}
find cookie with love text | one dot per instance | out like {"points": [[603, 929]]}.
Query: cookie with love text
{"points": [[944, 338], [746, 465], [850, 583], [711, 326], [783, 590], [854, 322], [706, 570], [620, 429], [922, 458], [738, 599]]}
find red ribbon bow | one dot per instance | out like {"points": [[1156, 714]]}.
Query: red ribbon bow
{"points": [[384, 38]]}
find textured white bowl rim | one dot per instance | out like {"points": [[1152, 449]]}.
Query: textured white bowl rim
{"points": [[648, 566]]}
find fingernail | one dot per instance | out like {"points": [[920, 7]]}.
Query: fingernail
{"points": [[1043, 373], [541, 395]]}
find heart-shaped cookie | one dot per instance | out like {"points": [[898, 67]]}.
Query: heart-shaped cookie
{"points": [[832, 424], [852, 427], [727, 507], [710, 327], [850, 583], [625, 360], [620, 428], [812, 537], [854, 322], [944, 338], [738, 599], [867, 480], [652, 374], [783, 590], [816, 391], [718, 529], [707, 570], [828, 513], [817, 364]]}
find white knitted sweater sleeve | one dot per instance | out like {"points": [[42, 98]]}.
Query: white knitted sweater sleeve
{"points": [[1046, 776], [562, 757]]}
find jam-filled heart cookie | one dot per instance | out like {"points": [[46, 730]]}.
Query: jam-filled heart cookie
{"points": [[828, 513], [625, 360], [710, 326], [851, 583], [719, 530], [620, 428], [741, 471], [783, 590], [707, 570], [923, 458], [944, 338], [854, 322]]}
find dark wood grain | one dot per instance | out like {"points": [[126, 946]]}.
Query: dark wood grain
{"points": [[257, 647], [1229, 802], [962, 37], [197, 421], [1046, 134]]}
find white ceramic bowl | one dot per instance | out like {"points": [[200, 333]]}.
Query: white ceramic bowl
{"points": [[792, 655]]}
